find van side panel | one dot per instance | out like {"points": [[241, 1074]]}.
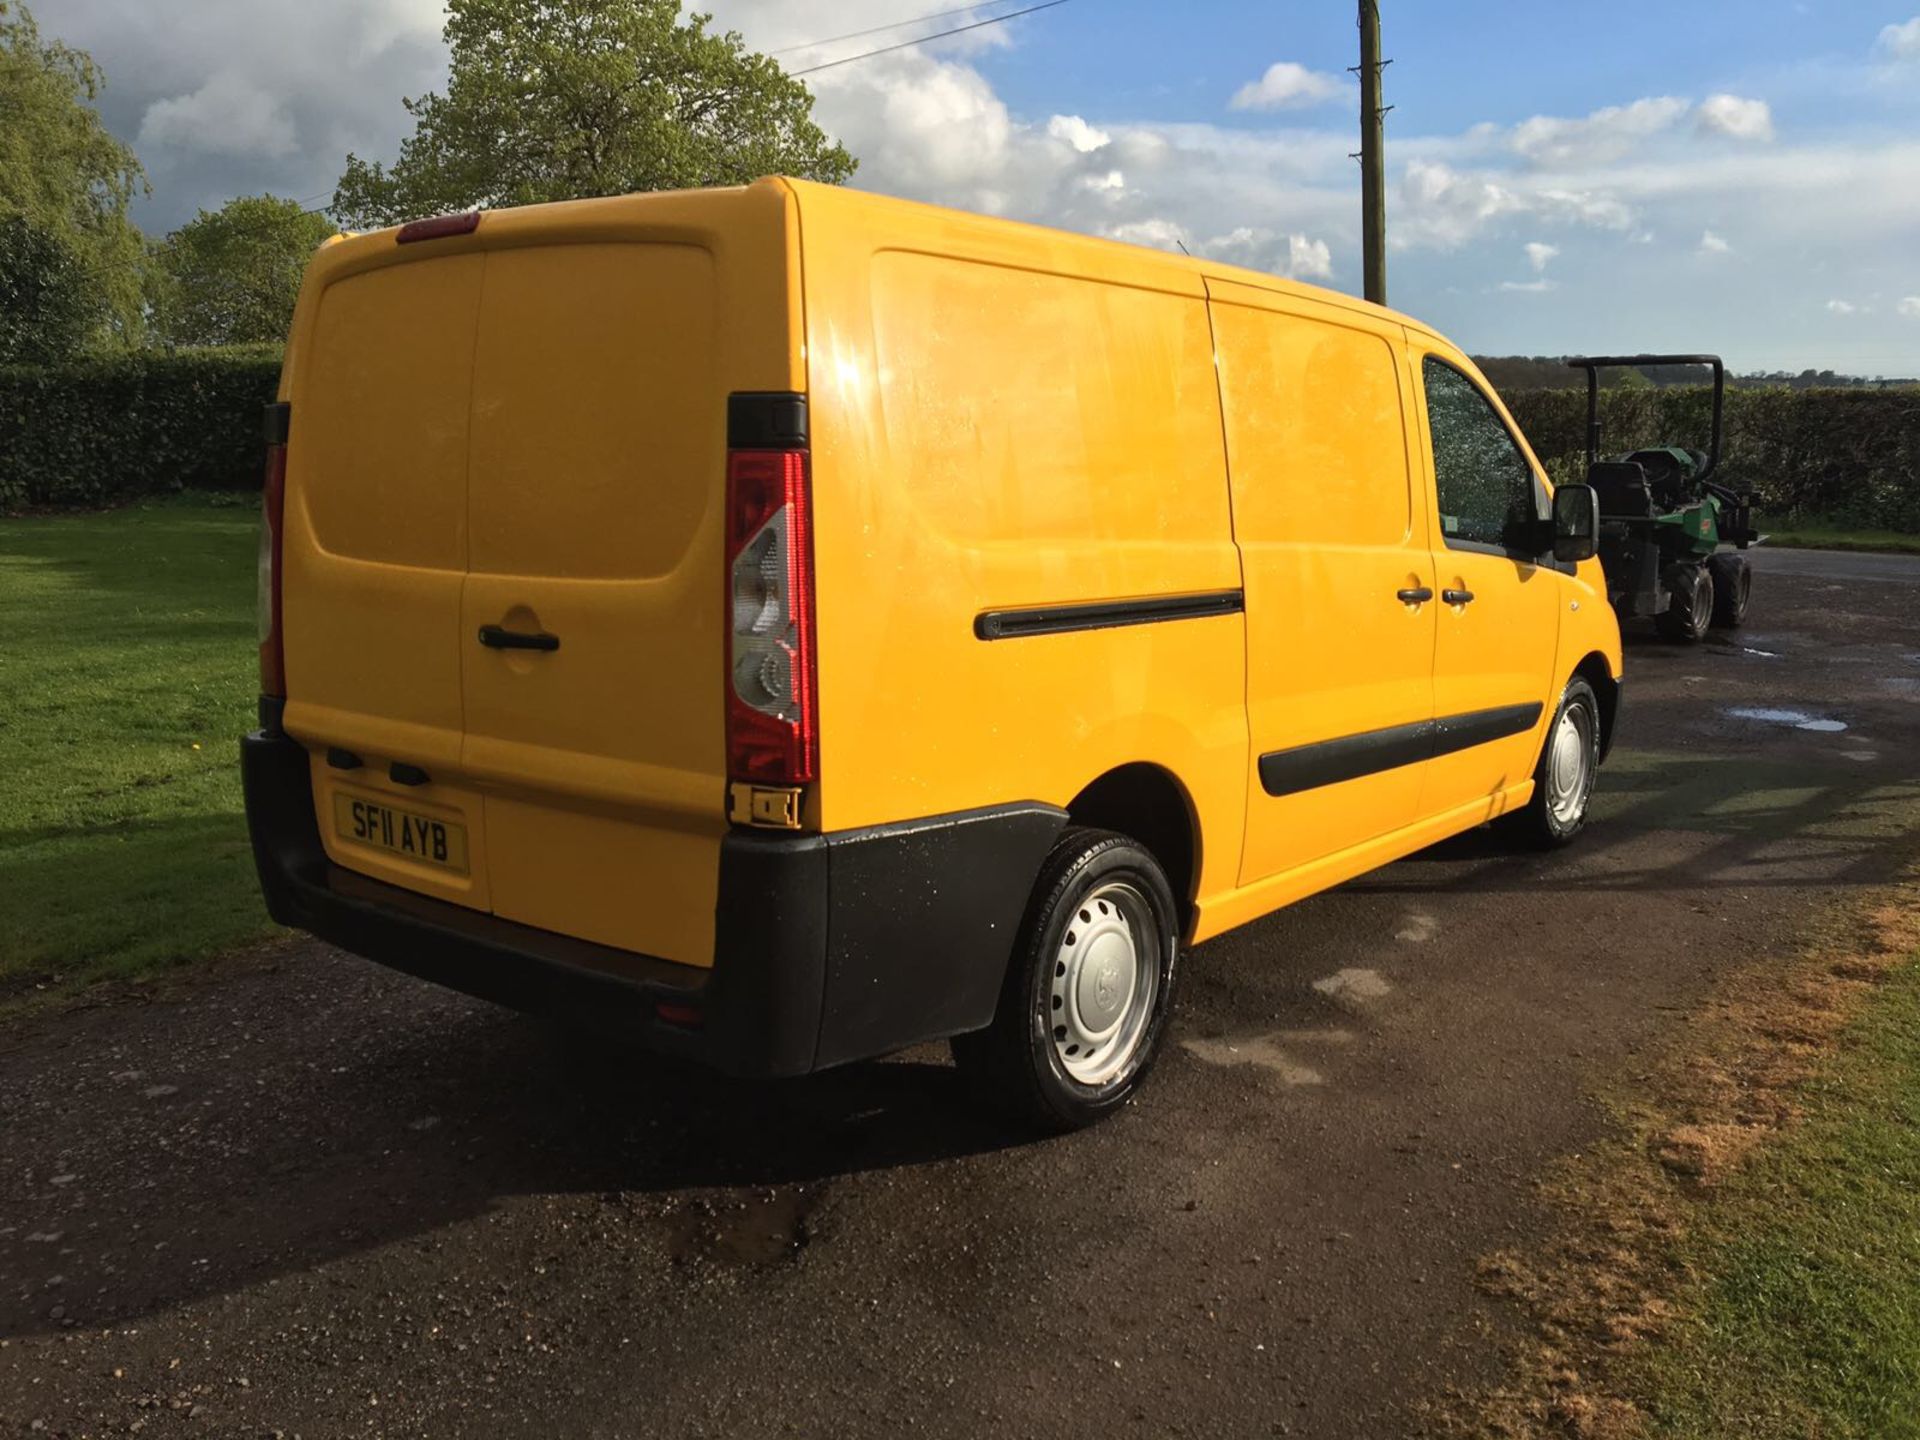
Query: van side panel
{"points": [[1005, 418]]}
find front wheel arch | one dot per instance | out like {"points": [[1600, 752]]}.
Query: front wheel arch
{"points": [[1606, 690]]}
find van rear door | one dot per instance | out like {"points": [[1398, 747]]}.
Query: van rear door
{"points": [[375, 559], [595, 481]]}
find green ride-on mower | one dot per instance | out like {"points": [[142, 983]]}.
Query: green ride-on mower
{"points": [[1665, 522]]}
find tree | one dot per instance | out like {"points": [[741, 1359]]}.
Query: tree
{"points": [[230, 276], [48, 306], [71, 256], [559, 99]]}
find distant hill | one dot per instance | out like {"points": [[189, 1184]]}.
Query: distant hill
{"points": [[1550, 372]]}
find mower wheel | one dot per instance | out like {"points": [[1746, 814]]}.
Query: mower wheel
{"points": [[1732, 583], [1690, 610]]}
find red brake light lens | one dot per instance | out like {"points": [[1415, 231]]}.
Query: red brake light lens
{"points": [[772, 705], [439, 227]]}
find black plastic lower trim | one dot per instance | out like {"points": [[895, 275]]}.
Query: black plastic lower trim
{"points": [[1105, 614], [1328, 762], [827, 948]]}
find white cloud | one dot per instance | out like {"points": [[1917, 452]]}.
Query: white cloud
{"points": [[1111, 183], [1845, 307], [1909, 307], [1712, 244], [1527, 287], [1287, 86], [1561, 142], [1900, 42], [1078, 133], [229, 115], [1538, 254], [1158, 232], [1443, 207], [1732, 116], [1308, 259]]}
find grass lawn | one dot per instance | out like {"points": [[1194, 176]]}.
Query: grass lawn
{"points": [[1803, 1313], [1817, 535], [127, 671]]}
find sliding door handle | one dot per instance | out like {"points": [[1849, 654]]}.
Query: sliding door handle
{"points": [[1418, 595], [498, 637], [1457, 597]]}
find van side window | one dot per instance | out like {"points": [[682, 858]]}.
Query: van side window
{"points": [[1486, 487]]}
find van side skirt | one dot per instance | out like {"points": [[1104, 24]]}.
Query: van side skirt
{"points": [[1328, 762], [1105, 614]]}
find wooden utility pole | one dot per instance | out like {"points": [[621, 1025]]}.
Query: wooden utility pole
{"points": [[1373, 174]]}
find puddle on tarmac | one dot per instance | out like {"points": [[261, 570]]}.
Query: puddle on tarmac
{"points": [[1260, 1051], [1354, 984], [1418, 930], [1719, 646], [1798, 719]]}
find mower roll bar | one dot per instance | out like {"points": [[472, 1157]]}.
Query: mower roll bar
{"points": [[1594, 364]]}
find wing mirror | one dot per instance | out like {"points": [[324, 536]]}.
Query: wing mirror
{"points": [[1576, 522]]}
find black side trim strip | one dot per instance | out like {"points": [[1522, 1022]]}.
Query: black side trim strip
{"points": [[1478, 727], [766, 420], [1104, 614], [1328, 762]]}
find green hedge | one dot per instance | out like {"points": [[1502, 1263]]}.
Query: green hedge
{"points": [[1849, 457], [104, 431]]}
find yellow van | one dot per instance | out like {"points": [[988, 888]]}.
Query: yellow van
{"points": [[787, 625]]}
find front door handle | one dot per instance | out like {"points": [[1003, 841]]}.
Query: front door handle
{"points": [[1418, 595], [1457, 597], [498, 637]]}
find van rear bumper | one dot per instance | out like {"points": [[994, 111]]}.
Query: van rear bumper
{"points": [[827, 949]]}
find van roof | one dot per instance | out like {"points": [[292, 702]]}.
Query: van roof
{"points": [[909, 212], [1116, 259]]}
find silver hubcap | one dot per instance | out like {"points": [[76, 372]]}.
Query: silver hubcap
{"points": [[1106, 975], [1702, 606], [1570, 765]]}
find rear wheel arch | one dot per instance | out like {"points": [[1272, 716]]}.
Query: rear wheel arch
{"points": [[1606, 689], [1148, 803]]}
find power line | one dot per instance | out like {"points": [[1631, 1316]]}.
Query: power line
{"points": [[938, 35], [876, 29]]}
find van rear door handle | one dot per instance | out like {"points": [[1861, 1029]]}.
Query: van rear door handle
{"points": [[1457, 597], [498, 637], [1418, 595]]}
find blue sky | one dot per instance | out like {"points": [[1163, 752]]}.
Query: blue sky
{"points": [[1740, 177]]}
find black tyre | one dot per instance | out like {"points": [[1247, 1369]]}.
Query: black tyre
{"points": [[1688, 614], [1732, 580], [1563, 778], [1087, 995]]}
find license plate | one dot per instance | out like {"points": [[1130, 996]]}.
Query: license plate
{"points": [[406, 833]]}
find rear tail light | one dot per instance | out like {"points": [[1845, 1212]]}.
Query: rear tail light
{"points": [[273, 501], [772, 703]]}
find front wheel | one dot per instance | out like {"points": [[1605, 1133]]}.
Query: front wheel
{"points": [[1563, 780], [1690, 608], [1089, 988]]}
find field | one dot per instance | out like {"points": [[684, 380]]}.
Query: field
{"points": [[128, 666]]}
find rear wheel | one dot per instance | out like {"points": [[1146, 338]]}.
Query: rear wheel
{"points": [[1089, 989], [1563, 780], [1690, 610], [1732, 583]]}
